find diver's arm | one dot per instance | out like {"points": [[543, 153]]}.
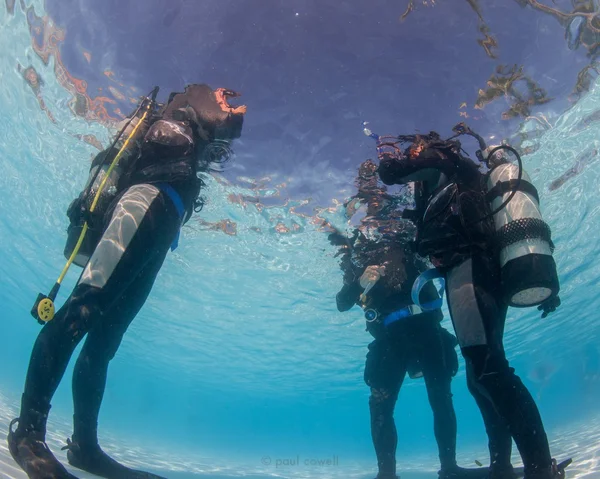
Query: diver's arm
{"points": [[350, 292], [348, 296]]}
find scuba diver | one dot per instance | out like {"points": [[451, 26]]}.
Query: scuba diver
{"points": [[379, 270], [141, 190], [485, 236]]}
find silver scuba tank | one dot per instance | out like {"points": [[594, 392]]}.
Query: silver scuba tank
{"points": [[523, 239]]}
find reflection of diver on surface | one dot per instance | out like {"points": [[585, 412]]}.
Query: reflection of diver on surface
{"points": [[514, 85], [488, 42], [141, 190], [379, 271], [528, 137], [486, 237], [226, 226], [582, 28], [35, 82]]}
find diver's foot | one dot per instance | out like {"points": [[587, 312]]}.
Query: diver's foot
{"points": [[457, 472], [94, 460], [33, 455]]}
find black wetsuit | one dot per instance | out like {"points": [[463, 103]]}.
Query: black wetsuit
{"points": [[477, 309], [140, 227], [416, 344]]}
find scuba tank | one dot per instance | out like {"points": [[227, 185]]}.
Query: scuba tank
{"points": [[104, 185], [522, 238]]}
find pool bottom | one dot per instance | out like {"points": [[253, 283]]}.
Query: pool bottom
{"points": [[579, 441]]}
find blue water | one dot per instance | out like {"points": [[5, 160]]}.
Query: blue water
{"points": [[239, 363]]}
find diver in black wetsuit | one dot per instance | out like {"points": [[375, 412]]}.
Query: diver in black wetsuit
{"points": [[485, 235], [379, 270], [153, 191]]}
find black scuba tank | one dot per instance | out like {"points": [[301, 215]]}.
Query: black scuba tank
{"points": [[79, 209]]}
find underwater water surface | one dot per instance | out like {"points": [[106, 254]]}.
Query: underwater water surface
{"points": [[239, 364]]}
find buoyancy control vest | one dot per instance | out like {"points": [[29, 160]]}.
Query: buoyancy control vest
{"points": [[168, 146], [448, 215]]}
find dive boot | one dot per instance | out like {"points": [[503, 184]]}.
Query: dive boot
{"points": [[556, 471], [92, 459], [32, 454]]}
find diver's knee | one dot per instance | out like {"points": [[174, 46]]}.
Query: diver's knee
{"points": [[482, 360], [72, 321], [486, 368], [382, 401]]}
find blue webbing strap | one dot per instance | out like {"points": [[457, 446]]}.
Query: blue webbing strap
{"points": [[178, 203], [420, 282]]}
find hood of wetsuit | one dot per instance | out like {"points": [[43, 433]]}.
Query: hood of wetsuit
{"points": [[208, 111]]}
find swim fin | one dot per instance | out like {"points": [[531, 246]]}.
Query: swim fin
{"points": [[559, 469], [95, 461], [458, 472], [32, 454]]}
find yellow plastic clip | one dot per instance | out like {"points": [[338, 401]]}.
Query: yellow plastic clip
{"points": [[45, 310]]}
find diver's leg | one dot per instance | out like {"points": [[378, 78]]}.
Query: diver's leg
{"points": [[49, 359], [87, 305], [499, 438], [478, 316], [89, 381], [437, 373], [384, 374], [142, 229]]}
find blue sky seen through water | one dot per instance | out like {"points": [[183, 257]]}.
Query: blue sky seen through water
{"points": [[312, 71]]}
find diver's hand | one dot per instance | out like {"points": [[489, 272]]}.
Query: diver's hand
{"points": [[371, 275], [549, 306]]}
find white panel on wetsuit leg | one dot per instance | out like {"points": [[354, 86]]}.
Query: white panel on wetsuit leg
{"points": [[467, 319], [129, 213]]}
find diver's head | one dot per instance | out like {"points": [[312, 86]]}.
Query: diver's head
{"points": [[214, 121], [367, 169], [414, 149], [208, 111]]}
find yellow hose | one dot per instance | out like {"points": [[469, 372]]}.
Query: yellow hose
{"points": [[97, 197], [43, 309]]}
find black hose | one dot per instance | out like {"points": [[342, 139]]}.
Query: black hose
{"points": [[515, 189]]}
